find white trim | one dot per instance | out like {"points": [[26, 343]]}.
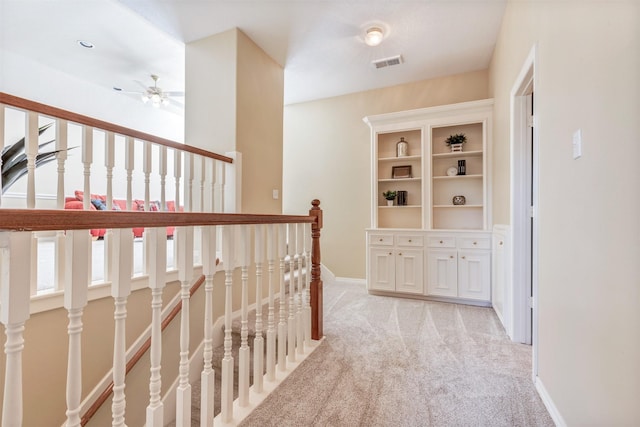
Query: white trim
{"points": [[549, 404], [524, 252]]}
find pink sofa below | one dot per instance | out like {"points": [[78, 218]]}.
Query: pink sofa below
{"points": [[98, 202]]}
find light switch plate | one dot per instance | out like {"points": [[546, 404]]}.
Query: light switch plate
{"points": [[577, 144], [276, 194]]}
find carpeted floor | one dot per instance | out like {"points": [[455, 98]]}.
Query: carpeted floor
{"points": [[401, 362]]}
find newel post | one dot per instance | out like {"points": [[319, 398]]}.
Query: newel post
{"points": [[316, 279]]}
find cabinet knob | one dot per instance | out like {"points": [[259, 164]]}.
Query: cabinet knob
{"points": [[501, 243], [475, 243], [464, 257], [381, 239], [400, 254], [441, 242], [451, 256], [410, 240]]}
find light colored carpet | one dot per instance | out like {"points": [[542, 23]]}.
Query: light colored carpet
{"points": [[401, 362]]}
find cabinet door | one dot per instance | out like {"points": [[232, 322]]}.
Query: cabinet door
{"points": [[474, 275], [382, 271], [442, 267], [409, 271]]}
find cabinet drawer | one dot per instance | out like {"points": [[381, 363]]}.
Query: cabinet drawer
{"points": [[410, 241], [381, 239], [442, 242], [474, 242]]}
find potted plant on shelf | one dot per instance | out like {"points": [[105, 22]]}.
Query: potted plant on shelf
{"points": [[390, 196], [455, 141]]}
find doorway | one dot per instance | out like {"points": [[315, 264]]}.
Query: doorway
{"points": [[524, 200]]}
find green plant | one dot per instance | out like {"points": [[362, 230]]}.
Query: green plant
{"points": [[14, 159], [458, 138], [389, 195]]}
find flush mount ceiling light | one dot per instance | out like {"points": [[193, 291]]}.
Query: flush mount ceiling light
{"points": [[373, 36], [86, 44]]}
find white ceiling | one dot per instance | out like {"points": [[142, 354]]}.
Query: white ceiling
{"points": [[318, 42]]}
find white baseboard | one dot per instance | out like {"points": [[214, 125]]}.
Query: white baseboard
{"points": [[549, 404]]}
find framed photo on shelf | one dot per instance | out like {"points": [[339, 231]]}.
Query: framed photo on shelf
{"points": [[401, 172]]}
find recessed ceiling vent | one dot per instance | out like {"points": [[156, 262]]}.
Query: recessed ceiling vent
{"points": [[387, 62]]}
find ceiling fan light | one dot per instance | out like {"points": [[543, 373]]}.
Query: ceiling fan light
{"points": [[145, 98], [373, 36], [165, 101], [155, 98]]}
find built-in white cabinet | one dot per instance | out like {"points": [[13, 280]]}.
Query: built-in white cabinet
{"points": [[441, 203], [396, 262], [459, 266]]}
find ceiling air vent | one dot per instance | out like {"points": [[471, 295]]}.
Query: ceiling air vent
{"points": [[387, 62]]}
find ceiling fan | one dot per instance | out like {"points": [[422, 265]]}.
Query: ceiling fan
{"points": [[154, 94]]}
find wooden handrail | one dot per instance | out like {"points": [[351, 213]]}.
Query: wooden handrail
{"points": [[59, 113], [59, 219], [104, 396]]}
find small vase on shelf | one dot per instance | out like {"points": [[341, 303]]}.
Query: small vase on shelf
{"points": [[402, 148], [389, 202]]}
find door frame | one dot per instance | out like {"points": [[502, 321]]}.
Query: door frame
{"points": [[524, 182]]}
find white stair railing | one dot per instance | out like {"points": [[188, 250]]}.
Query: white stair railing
{"points": [[132, 167]]}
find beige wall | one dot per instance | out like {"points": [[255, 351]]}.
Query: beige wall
{"points": [[589, 240], [260, 92], [210, 85], [234, 103], [327, 156]]}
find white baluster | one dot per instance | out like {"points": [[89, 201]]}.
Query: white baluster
{"points": [[291, 323], [157, 282], [299, 312], [31, 150], [87, 160], [122, 248], [185, 274], [162, 171], [271, 327], [75, 299], [307, 290], [203, 181], [14, 311], [258, 342], [62, 136], [218, 202], [210, 170], [207, 378], [177, 174], [146, 169], [282, 324], [244, 354], [129, 165], [109, 162], [228, 250], [188, 182]]}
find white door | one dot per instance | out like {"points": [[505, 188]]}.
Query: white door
{"points": [[409, 271], [442, 267], [474, 275], [382, 272]]}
